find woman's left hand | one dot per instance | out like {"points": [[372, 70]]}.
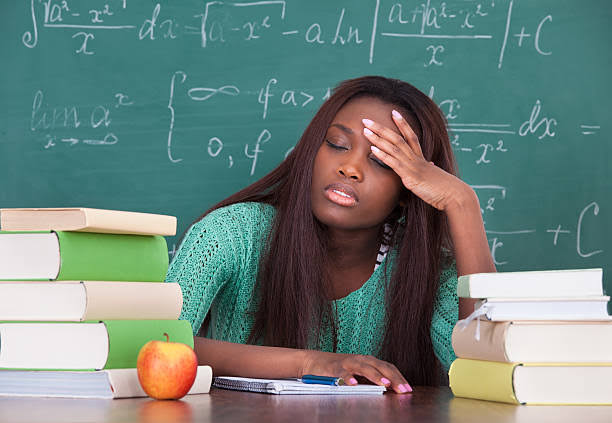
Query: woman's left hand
{"points": [[403, 154]]}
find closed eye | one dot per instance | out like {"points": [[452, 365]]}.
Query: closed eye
{"points": [[335, 146], [380, 163]]}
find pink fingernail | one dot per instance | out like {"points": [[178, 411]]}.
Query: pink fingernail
{"points": [[385, 381], [367, 131], [353, 381], [402, 388], [396, 114], [367, 122], [408, 387], [374, 149]]}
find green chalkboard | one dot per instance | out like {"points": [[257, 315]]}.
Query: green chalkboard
{"points": [[169, 106]]}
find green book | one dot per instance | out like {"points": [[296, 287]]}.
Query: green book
{"points": [[51, 255], [107, 344]]}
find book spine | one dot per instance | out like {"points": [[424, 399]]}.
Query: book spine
{"points": [[127, 337], [463, 287], [112, 257], [484, 380]]}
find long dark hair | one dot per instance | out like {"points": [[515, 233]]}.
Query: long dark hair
{"points": [[293, 303]]}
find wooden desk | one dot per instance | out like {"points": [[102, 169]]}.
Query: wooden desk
{"points": [[220, 406]]}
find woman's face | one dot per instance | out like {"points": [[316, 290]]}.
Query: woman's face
{"points": [[351, 188]]}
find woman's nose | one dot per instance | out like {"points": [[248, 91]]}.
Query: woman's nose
{"points": [[351, 170]]}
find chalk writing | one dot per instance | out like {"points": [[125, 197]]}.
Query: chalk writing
{"points": [[55, 122], [182, 76], [579, 230], [292, 97], [264, 137], [536, 124], [581, 251], [220, 23], [434, 51], [589, 129]]}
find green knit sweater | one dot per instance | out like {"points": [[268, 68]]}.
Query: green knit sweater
{"points": [[217, 266]]}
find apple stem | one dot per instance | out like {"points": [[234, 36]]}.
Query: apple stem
{"points": [[167, 337]]}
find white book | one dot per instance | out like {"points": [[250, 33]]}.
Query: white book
{"points": [[108, 384], [571, 308], [540, 283], [110, 344], [292, 387], [89, 300], [548, 341], [66, 255], [86, 220]]}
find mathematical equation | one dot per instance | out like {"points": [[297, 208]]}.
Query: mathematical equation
{"points": [[57, 123], [225, 23], [64, 119], [466, 136], [558, 233]]}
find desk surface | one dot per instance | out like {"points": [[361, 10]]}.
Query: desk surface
{"points": [[425, 405]]}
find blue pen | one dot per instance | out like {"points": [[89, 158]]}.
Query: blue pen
{"points": [[323, 380]]}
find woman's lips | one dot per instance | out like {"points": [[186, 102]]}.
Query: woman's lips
{"points": [[341, 194]]}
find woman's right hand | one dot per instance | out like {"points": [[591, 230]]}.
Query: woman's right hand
{"points": [[348, 366]]}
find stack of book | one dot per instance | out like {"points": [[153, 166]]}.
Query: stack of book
{"points": [[541, 337], [80, 293]]}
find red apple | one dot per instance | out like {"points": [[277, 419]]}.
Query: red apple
{"points": [[166, 370]]}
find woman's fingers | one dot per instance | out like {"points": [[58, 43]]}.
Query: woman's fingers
{"points": [[393, 156], [381, 373], [351, 366], [386, 158], [407, 132], [398, 383], [407, 137], [349, 378], [385, 138]]}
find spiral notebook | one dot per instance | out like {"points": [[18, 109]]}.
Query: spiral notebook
{"points": [[292, 387]]}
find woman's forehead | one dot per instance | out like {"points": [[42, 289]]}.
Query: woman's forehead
{"points": [[367, 104], [351, 113]]}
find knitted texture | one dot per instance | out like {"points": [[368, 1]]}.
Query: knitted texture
{"points": [[217, 266]]}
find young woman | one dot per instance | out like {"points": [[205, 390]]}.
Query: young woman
{"points": [[343, 260]]}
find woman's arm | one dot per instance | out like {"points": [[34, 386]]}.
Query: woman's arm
{"points": [[441, 190], [470, 243], [231, 359]]}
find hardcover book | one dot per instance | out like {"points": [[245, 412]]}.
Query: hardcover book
{"points": [[533, 341], [89, 300], [86, 220], [542, 284], [110, 344], [532, 383], [105, 384], [571, 308], [82, 256]]}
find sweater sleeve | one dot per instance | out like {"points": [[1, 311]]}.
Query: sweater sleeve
{"points": [[445, 316], [209, 258], [201, 266]]}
